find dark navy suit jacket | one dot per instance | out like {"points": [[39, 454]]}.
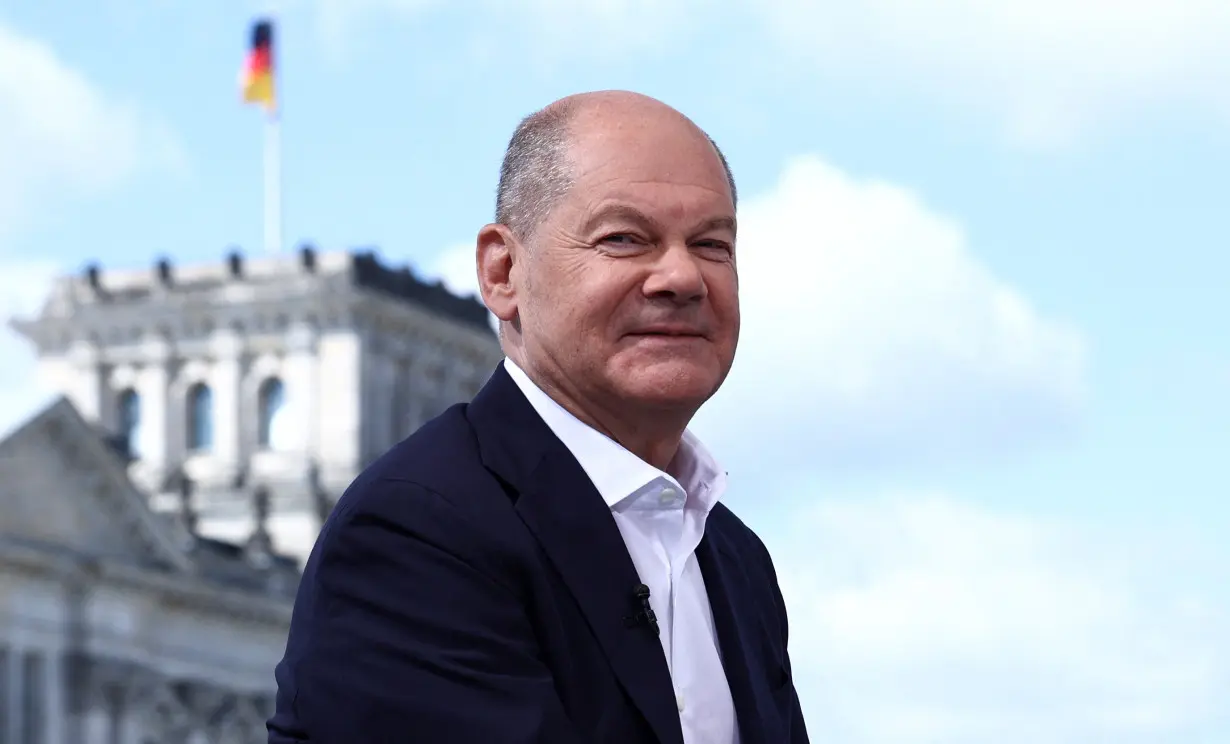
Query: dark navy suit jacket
{"points": [[471, 587]]}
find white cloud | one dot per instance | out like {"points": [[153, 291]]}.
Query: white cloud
{"points": [[871, 335], [337, 20], [1048, 66], [60, 138], [58, 132], [558, 21], [916, 620], [1048, 69], [457, 268]]}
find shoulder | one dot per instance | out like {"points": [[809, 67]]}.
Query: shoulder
{"points": [[432, 488], [752, 558], [441, 458], [742, 539], [745, 545]]}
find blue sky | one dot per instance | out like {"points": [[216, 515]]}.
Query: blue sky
{"points": [[980, 408]]}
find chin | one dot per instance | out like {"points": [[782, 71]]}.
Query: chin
{"points": [[669, 383]]}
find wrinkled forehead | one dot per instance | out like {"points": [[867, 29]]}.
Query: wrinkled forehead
{"points": [[627, 148]]}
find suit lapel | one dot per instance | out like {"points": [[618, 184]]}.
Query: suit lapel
{"points": [[561, 507], [733, 607]]}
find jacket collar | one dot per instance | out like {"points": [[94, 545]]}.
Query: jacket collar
{"points": [[559, 504]]}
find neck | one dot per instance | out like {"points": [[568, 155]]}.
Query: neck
{"points": [[653, 435]]}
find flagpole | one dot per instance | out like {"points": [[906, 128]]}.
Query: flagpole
{"points": [[258, 81], [273, 183]]}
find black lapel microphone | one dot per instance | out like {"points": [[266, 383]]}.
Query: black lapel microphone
{"points": [[645, 614]]}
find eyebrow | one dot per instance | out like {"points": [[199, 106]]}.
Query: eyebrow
{"points": [[719, 223], [632, 214]]}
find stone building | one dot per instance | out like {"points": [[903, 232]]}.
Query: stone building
{"points": [[154, 519]]}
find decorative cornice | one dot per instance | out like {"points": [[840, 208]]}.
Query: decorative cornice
{"points": [[194, 593], [115, 308]]}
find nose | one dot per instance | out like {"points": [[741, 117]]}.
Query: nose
{"points": [[676, 275]]}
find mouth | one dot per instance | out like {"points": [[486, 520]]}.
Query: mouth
{"points": [[668, 332]]}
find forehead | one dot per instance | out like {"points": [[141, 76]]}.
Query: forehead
{"points": [[648, 161]]}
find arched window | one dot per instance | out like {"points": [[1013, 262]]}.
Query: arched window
{"points": [[200, 418], [271, 406], [128, 407]]}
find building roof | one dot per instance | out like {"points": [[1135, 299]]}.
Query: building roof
{"points": [[68, 497], [304, 276]]}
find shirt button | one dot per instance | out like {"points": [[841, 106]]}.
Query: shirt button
{"points": [[679, 702], [667, 496]]}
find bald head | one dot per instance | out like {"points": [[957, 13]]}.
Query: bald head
{"points": [[538, 170]]}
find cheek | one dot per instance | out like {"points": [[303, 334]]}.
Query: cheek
{"points": [[602, 298], [574, 308], [723, 288]]}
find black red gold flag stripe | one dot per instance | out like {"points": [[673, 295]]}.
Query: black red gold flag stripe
{"points": [[258, 80]]}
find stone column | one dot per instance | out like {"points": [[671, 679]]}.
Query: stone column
{"points": [[400, 394], [133, 717], [431, 385], [380, 400], [225, 380], [10, 683], [38, 713], [87, 391], [338, 411], [131, 728], [96, 725], [158, 446], [301, 385]]}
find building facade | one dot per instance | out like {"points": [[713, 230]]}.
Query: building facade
{"points": [[153, 520]]}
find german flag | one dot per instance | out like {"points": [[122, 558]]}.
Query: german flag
{"points": [[258, 80]]}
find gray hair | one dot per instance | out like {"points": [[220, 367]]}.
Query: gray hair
{"points": [[536, 172]]}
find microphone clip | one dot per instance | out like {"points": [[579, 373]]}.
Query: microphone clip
{"points": [[645, 615]]}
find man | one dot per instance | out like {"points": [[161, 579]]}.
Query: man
{"points": [[550, 563]]}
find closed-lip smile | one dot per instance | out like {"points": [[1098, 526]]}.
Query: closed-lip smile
{"points": [[667, 330]]}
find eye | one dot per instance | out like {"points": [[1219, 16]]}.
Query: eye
{"points": [[622, 243], [714, 248]]}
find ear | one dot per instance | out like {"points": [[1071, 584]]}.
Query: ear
{"points": [[497, 252]]}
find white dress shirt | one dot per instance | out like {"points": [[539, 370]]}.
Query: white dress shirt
{"points": [[662, 519]]}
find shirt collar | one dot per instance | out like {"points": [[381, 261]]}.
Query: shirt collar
{"points": [[616, 473]]}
